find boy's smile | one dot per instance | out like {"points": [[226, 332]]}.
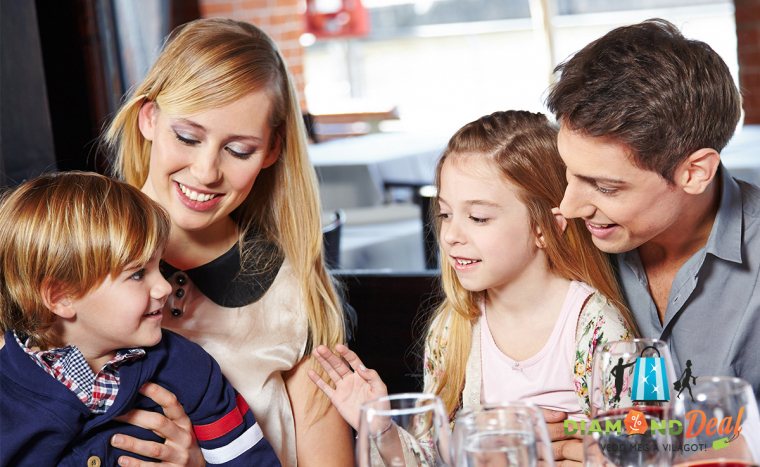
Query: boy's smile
{"points": [[121, 313]]}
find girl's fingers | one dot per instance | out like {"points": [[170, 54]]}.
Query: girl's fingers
{"points": [[335, 363], [349, 355], [321, 384], [322, 354]]}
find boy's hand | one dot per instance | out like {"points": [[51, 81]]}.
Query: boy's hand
{"points": [[351, 388], [180, 449], [567, 449]]}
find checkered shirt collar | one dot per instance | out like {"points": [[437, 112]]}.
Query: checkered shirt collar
{"points": [[68, 365]]}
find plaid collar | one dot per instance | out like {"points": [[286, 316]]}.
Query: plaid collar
{"points": [[68, 365]]}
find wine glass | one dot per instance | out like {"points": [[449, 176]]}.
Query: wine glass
{"points": [[632, 412], [508, 434], [403, 430], [722, 421]]}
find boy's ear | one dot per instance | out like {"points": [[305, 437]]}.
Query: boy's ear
{"points": [[561, 223], [697, 171], [146, 119], [56, 300]]}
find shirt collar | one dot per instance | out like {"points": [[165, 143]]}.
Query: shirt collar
{"points": [[725, 239], [230, 282], [70, 357]]}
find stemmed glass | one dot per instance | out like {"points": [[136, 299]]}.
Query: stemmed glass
{"points": [[403, 430], [722, 422], [511, 434], [631, 394]]}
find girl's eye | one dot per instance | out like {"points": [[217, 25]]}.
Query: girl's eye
{"points": [[606, 191], [238, 154], [478, 220], [185, 139], [138, 275], [444, 216]]}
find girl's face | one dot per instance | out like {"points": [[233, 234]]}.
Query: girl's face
{"points": [[202, 166], [485, 228]]}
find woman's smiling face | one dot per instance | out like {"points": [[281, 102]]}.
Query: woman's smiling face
{"points": [[203, 166]]}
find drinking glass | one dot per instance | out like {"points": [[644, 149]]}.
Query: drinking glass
{"points": [[722, 423], [403, 430], [509, 434], [631, 394]]}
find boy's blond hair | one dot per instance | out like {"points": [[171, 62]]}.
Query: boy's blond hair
{"points": [[69, 231]]}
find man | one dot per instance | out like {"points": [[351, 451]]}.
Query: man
{"points": [[644, 113]]}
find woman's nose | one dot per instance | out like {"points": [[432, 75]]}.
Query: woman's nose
{"points": [[205, 167]]}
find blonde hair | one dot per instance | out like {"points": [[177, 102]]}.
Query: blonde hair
{"points": [[210, 63], [72, 230], [522, 147]]}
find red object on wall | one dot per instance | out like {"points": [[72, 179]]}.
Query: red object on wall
{"points": [[336, 18]]}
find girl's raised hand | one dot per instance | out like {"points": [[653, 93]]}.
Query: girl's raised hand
{"points": [[351, 388]]}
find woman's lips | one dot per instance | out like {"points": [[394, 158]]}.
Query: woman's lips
{"points": [[601, 230], [203, 200]]}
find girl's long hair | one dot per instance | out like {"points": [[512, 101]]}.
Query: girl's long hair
{"points": [[522, 146], [208, 64]]}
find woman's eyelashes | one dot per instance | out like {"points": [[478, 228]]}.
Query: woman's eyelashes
{"points": [[238, 152]]}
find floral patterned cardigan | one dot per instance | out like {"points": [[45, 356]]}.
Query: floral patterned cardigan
{"points": [[599, 322]]}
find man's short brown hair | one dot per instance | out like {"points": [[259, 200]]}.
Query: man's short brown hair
{"points": [[649, 87]]}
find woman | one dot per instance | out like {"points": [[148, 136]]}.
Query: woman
{"points": [[214, 134]]}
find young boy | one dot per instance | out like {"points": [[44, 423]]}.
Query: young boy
{"points": [[80, 304], [644, 113]]}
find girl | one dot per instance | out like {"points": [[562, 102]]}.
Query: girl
{"points": [[215, 135], [527, 295]]}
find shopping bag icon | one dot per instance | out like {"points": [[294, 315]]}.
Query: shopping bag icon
{"points": [[650, 381]]}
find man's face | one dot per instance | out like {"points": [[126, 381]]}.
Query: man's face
{"points": [[623, 205]]}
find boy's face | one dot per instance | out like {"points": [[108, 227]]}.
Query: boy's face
{"points": [[623, 205], [124, 312]]}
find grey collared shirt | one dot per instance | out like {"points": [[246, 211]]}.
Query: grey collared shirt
{"points": [[713, 313]]}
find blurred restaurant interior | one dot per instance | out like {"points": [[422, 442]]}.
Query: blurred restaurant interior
{"points": [[382, 84]]}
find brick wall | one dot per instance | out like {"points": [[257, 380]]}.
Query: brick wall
{"points": [[281, 19], [748, 44]]}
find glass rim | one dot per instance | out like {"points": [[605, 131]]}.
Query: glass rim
{"points": [[490, 406], [653, 343], [403, 396]]}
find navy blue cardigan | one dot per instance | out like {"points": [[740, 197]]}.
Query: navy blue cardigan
{"points": [[42, 423]]}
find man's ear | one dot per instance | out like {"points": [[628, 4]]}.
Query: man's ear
{"points": [[56, 300], [697, 171], [146, 119], [561, 223]]}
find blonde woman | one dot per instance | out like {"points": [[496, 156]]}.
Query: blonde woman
{"points": [[527, 295], [214, 134]]}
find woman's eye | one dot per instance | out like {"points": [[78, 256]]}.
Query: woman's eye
{"points": [[185, 139], [240, 154], [138, 275]]}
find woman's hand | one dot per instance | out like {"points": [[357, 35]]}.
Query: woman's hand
{"points": [[351, 388], [180, 448]]}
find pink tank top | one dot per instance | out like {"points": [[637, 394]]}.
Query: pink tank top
{"points": [[546, 379]]}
